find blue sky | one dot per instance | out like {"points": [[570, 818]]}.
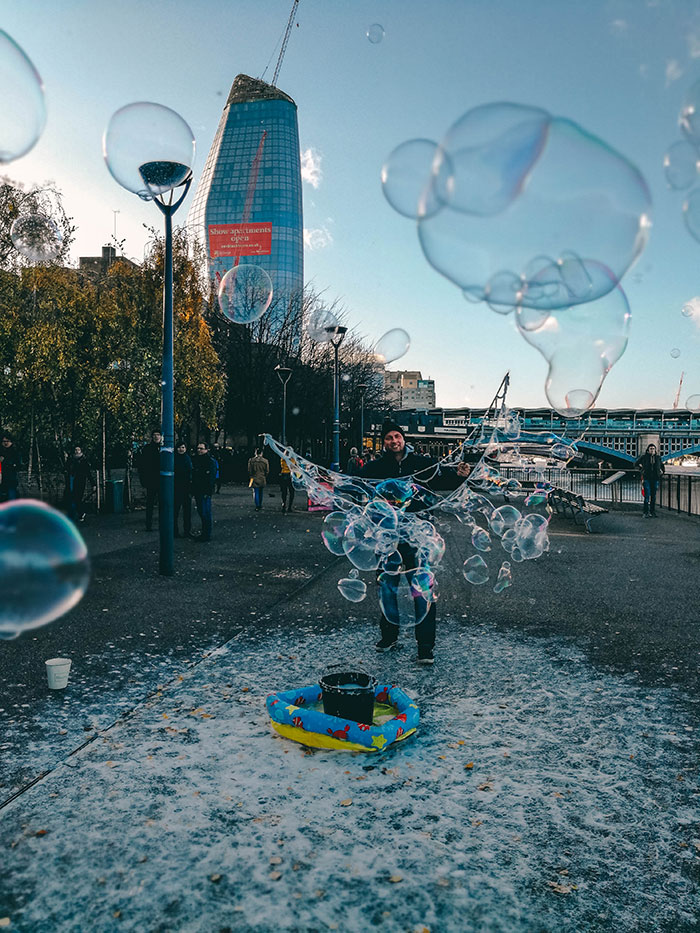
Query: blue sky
{"points": [[620, 68]]}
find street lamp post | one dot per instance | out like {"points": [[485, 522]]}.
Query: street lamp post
{"points": [[363, 388], [149, 149], [336, 337], [284, 373]]}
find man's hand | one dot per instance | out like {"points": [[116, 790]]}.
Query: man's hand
{"points": [[464, 469]]}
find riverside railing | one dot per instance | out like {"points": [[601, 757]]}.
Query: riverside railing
{"points": [[678, 492]]}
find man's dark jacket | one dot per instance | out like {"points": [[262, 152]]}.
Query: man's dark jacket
{"points": [[149, 465], [651, 467], [10, 465], [183, 474], [204, 475]]}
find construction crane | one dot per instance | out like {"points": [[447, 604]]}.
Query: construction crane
{"points": [[678, 393], [283, 49]]}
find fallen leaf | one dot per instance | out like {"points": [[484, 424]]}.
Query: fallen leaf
{"points": [[4, 921], [275, 875], [41, 832], [117, 914], [469, 765], [560, 888], [275, 860], [485, 786], [346, 803], [215, 878], [395, 879]]}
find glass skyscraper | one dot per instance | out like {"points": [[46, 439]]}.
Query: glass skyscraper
{"points": [[248, 206]]}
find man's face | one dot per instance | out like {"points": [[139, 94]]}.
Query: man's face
{"points": [[201, 449], [157, 437], [6, 442], [394, 442], [651, 449], [78, 452], [181, 448]]}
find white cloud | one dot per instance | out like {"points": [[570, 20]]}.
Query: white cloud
{"points": [[619, 25], [317, 237], [311, 167], [673, 71], [694, 45]]}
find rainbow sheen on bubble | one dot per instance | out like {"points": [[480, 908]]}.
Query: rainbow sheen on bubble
{"points": [[44, 566]]}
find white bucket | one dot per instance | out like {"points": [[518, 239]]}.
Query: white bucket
{"points": [[57, 670]]}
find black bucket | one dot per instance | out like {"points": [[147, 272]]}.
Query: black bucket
{"points": [[349, 695]]}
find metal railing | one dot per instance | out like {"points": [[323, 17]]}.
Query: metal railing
{"points": [[677, 492]]}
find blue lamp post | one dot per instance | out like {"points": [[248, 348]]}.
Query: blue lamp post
{"points": [[149, 149], [336, 335]]}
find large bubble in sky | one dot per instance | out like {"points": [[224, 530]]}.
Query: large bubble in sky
{"points": [[23, 112], [37, 237], [245, 293], [581, 344], [524, 209], [44, 567]]}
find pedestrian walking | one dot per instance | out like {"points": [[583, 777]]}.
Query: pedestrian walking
{"points": [[77, 476], [218, 456], [398, 459], [148, 467], [203, 481], [10, 462], [183, 490], [652, 468], [258, 469], [355, 463], [286, 486]]}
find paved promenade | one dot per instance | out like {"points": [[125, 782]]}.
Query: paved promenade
{"points": [[553, 784]]}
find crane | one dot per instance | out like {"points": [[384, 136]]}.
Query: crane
{"points": [[283, 48], [678, 393]]}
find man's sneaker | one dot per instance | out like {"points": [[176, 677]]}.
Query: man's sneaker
{"points": [[387, 644], [425, 655]]}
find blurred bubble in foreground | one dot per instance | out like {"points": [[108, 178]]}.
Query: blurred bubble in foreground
{"points": [[37, 237], [44, 566], [245, 293], [23, 112]]}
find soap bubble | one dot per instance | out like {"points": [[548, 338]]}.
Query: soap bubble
{"points": [[691, 213], [149, 149], [481, 539], [505, 577], [23, 112], [333, 531], [408, 180], [37, 237], [375, 33], [245, 293], [581, 345], [318, 324], [406, 598], [475, 570], [693, 403], [562, 452], [675, 353], [503, 519], [691, 308], [689, 118], [353, 589], [392, 346], [524, 185], [44, 567], [681, 165]]}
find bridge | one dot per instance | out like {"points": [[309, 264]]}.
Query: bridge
{"points": [[617, 436]]}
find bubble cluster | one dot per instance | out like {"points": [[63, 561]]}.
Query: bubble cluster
{"points": [[528, 212], [23, 113], [245, 293], [44, 567], [37, 237], [389, 528]]}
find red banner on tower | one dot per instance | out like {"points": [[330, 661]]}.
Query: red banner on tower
{"points": [[240, 240]]}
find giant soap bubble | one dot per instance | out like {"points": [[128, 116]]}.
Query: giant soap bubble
{"points": [[518, 184], [23, 112], [44, 567], [245, 293], [320, 324], [37, 237], [681, 164], [581, 344]]}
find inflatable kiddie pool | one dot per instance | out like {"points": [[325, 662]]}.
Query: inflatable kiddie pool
{"points": [[298, 715]]}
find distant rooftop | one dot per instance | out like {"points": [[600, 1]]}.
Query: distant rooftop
{"points": [[246, 89]]}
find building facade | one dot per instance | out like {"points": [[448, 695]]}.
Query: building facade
{"points": [[408, 389], [247, 206]]}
